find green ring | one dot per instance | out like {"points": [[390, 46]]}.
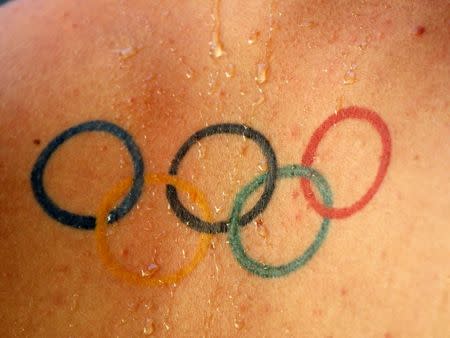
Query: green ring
{"points": [[273, 271]]}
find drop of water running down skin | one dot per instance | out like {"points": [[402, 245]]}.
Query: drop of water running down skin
{"points": [[149, 327], [229, 70], [350, 77], [261, 73], [254, 36]]}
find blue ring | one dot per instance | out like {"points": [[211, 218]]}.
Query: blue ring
{"points": [[82, 221]]}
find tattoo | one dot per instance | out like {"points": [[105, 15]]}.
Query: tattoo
{"points": [[308, 157], [262, 269], [238, 129], [82, 221], [205, 226]]}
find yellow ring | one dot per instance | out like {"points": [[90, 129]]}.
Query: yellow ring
{"points": [[119, 270]]}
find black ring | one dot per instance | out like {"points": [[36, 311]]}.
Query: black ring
{"points": [[81, 221], [226, 128]]}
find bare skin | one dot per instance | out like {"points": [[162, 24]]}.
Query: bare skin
{"points": [[382, 272]]}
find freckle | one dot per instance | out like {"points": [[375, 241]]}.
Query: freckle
{"points": [[125, 252], [59, 299], [295, 194], [388, 335], [343, 292], [419, 30], [37, 141], [63, 269], [298, 217], [383, 255], [295, 131], [244, 150], [317, 312], [416, 157]]}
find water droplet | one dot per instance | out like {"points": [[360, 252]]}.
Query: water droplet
{"points": [[364, 44], [201, 151], [126, 53], [350, 77], [308, 24], [150, 270], [261, 73], [258, 101], [254, 36], [262, 166], [215, 46], [212, 82], [149, 327], [339, 104], [189, 73], [74, 304], [229, 70], [237, 324]]}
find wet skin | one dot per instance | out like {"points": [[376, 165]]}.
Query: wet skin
{"points": [[382, 272]]}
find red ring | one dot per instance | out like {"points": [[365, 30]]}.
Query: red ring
{"points": [[308, 157]]}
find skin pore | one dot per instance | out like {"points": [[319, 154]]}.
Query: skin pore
{"points": [[163, 71]]}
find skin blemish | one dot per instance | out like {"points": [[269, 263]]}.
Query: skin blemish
{"points": [[317, 312], [419, 30], [295, 194], [344, 292], [295, 131], [388, 335], [37, 141], [125, 252], [59, 299], [244, 150], [65, 269]]}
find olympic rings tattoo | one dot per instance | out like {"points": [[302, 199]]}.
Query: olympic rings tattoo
{"points": [[238, 129], [81, 221], [207, 226], [134, 277]]}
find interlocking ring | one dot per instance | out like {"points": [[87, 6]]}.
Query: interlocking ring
{"points": [[119, 270], [82, 221], [266, 270], [311, 148], [222, 226], [206, 226]]}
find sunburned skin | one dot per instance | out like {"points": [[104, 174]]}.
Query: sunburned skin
{"points": [[328, 119]]}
